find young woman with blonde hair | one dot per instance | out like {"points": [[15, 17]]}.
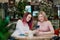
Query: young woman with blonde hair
{"points": [[45, 26]]}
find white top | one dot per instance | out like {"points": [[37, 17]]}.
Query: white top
{"points": [[20, 28]]}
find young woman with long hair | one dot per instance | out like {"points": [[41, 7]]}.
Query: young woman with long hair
{"points": [[23, 26], [45, 26]]}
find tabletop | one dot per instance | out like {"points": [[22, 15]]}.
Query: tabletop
{"points": [[45, 37]]}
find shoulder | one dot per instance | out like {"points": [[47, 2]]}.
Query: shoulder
{"points": [[49, 22], [19, 21]]}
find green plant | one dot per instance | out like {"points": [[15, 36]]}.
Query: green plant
{"points": [[4, 30], [47, 7], [21, 7]]}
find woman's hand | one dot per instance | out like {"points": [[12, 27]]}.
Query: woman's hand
{"points": [[36, 31], [26, 33]]}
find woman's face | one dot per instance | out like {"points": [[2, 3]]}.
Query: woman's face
{"points": [[41, 17], [28, 17]]}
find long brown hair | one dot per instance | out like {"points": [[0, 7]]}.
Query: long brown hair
{"points": [[24, 20]]}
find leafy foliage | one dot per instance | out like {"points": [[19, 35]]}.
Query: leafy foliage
{"points": [[4, 33], [21, 7], [47, 7]]}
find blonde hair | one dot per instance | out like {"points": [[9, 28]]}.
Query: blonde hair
{"points": [[44, 14]]}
